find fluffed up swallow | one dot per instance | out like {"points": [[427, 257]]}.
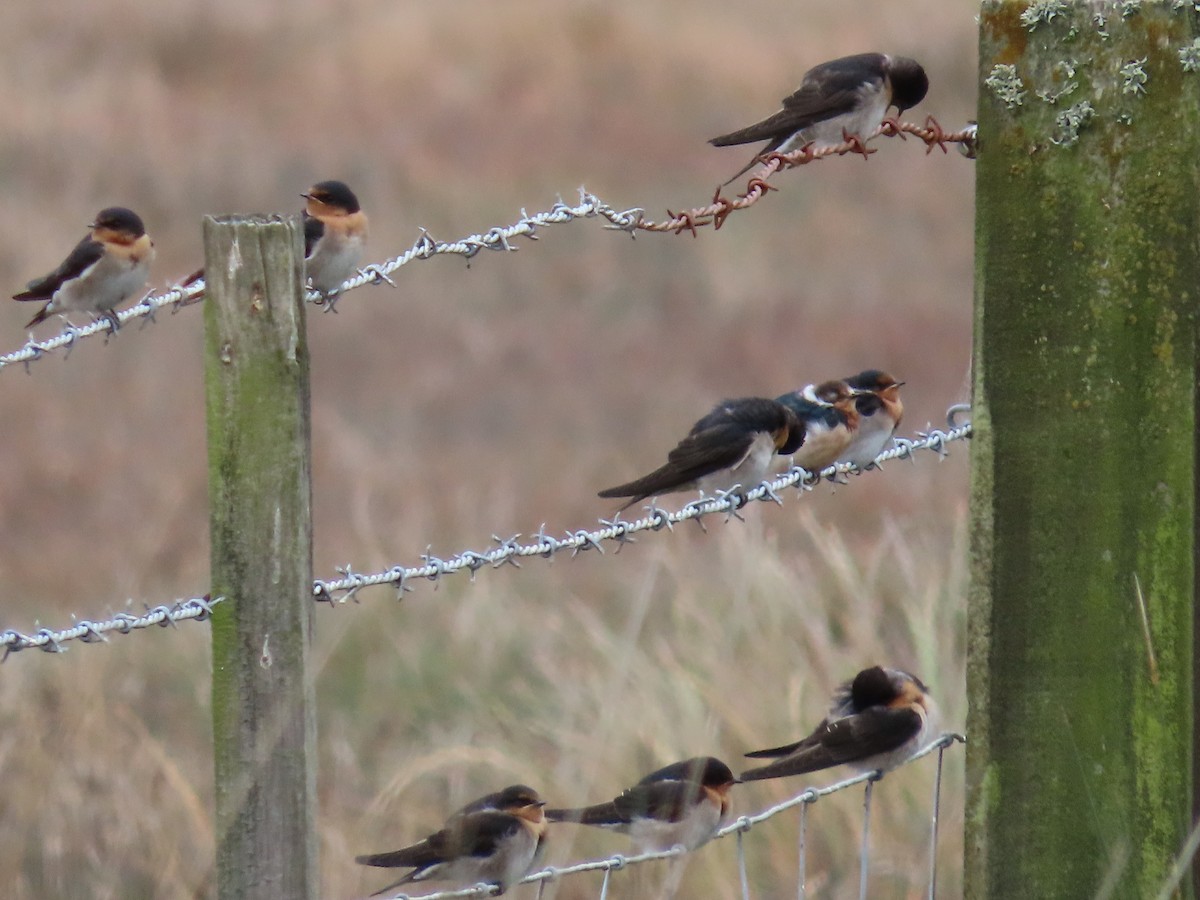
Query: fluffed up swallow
{"points": [[335, 234], [105, 269], [496, 839], [683, 803], [830, 418], [733, 445], [879, 414], [877, 721], [847, 96]]}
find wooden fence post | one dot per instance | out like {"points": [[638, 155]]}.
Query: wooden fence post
{"points": [[259, 451], [1080, 672]]}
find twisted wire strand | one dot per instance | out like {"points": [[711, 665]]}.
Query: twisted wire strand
{"points": [[616, 530], [500, 238], [87, 631], [739, 826], [508, 551]]}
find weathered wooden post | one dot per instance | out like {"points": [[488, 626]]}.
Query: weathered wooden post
{"points": [[1084, 486], [259, 447]]}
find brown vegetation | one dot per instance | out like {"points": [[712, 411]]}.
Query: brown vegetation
{"points": [[473, 401]]}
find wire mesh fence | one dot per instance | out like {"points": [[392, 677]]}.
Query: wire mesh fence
{"points": [[738, 828]]}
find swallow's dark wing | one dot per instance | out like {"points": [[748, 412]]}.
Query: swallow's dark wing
{"points": [[851, 739], [86, 253], [828, 90], [666, 801], [786, 748], [700, 453], [476, 834], [314, 228]]}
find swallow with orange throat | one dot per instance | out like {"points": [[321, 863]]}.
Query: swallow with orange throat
{"points": [[496, 839], [685, 803], [877, 721], [106, 268], [733, 445], [830, 419], [843, 97], [335, 235], [879, 413]]}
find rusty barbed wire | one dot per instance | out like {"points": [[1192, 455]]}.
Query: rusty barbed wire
{"points": [[88, 631], [616, 530], [738, 827], [719, 209], [500, 238]]}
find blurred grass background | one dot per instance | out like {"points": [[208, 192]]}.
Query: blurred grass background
{"points": [[479, 400]]}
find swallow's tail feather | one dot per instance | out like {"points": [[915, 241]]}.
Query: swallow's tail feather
{"points": [[662, 480], [600, 814], [805, 758], [42, 314], [407, 879], [774, 751]]}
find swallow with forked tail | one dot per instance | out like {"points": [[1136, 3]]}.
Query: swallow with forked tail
{"points": [[879, 413], [733, 445], [830, 419], [846, 96], [684, 803], [104, 270], [496, 839], [877, 721]]}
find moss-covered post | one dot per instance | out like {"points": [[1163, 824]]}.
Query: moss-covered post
{"points": [[1083, 493], [259, 452]]}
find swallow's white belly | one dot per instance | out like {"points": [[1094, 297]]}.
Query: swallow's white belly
{"points": [[329, 268], [748, 473], [104, 285], [695, 829]]}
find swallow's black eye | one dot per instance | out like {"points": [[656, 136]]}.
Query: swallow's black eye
{"points": [[867, 404]]}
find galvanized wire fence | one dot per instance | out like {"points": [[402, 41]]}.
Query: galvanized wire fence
{"points": [[508, 550], [501, 238], [742, 826]]}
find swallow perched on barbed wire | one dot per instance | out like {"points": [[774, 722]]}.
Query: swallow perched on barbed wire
{"points": [[496, 839], [877, 721], [105, 269], [684, 803], [733, 444], [830, 419], [879, 413], [335, 235], [843, 97]]}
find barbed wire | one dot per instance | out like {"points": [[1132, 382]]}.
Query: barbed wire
{"points": [[739, 827], [500, 238], [508, 551], [88, 632], [616, 530]]}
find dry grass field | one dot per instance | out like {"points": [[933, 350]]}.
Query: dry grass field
{"points": [[480, 400]]}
